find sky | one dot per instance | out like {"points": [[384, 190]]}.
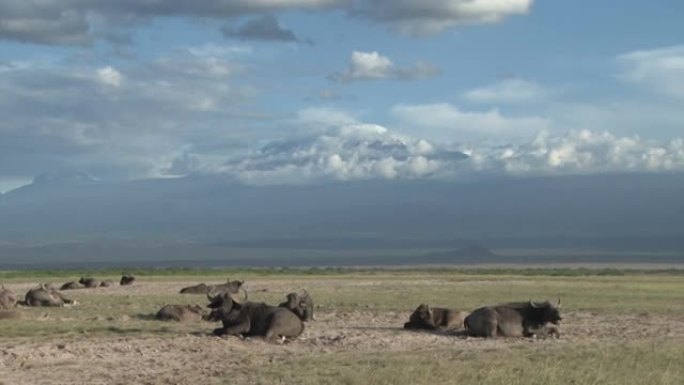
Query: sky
{"points": [[312, 91]]}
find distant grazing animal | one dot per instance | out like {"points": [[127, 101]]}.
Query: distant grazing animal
{"points": [[127, 279], [7, 298], [523, 319], [202, 288], [180, 313], [242, 318], [71, 286], [89, 282], [300, 304], [431, 318], [44, 296], [107, 283]]}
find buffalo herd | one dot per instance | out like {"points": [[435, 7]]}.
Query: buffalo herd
{"points": [[242, 318], [514, 319]]}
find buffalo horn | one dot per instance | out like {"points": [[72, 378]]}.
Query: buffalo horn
{"points": [[211, 294], [238, 300]]}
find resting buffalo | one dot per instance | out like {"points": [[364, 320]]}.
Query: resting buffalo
{"points": [[201, 288], [242, 318], [44, 296], [228, 287], [70, 286], [431, 318], [7, 298], [89, 282], [127, 279], [106, 283], [300, 304], [180, 313], [524, 319]]}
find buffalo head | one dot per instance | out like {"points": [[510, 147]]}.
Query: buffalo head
{"points": [[547, 311], [421, 318], [224, 305], [300, 304]]}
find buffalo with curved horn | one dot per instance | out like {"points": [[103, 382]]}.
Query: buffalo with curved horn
{"points": [[300, 304], [522, 319], [242, 318]]}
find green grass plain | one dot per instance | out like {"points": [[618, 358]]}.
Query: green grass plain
{"points": [[610, 357]]}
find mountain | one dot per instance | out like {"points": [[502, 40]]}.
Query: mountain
{"points": [[612, 211]]}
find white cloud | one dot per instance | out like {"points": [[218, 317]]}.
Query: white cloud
{"points": [[583, 152], [661, 70], [78, 22], [369, 65], [424, 17], [509, 91], [70, 119], [368, 151], [445, 122], [349, 152], [109, 76], [373, 66]]}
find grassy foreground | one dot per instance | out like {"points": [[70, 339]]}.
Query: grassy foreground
{"points": [[615, 364], [616, 355]]}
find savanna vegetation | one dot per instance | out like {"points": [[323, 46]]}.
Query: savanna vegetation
{"points": [[619, 327]]}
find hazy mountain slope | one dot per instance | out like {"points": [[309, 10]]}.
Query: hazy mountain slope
{"points": [[209, 209]]}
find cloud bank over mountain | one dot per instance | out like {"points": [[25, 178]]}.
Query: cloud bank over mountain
{"points": [[366, 152]]}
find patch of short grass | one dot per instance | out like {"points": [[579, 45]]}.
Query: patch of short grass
{"points": [[618, 364]]}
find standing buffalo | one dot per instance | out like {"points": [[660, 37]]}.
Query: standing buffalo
{"points": [[431, 318], [300, 304], [241, 318], [89, 282], [70, 286], [180, 313], [44, 296], [228, 287], [127, 279], [524, 319], [7, 298]]}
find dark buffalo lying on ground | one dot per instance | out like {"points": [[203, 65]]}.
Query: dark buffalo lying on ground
{"points": [[202, 288], [126, 279], [71, 286], [300, 304], [89, 282], [430, 318], [107, 283], [45, 296], [180, 313], [245, 319], [523, 319], [7, 298]]}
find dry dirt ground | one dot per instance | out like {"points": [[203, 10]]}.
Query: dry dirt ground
{"points": [[192, 356]]}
